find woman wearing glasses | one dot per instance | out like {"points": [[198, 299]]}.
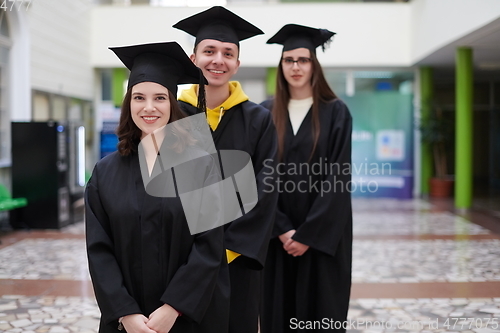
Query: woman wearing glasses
{"points": [[307, 277]]}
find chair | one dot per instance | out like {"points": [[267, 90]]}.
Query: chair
{"points": [[9, 203]]}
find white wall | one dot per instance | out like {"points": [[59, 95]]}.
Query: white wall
{"points": [[60, 41], [68, 38], [19, 78], [437, 23], [368, 35]]}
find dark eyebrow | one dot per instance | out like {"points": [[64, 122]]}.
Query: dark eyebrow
{"points": [[157, 94], [213, 47]]}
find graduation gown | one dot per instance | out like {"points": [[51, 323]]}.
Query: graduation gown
{"points": [[317, 284], [248, 127], [141, 254]]}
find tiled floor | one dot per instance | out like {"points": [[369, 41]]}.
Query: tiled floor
{"points": [[417, 267], [414, 261], [54, 314], [45, 259]]}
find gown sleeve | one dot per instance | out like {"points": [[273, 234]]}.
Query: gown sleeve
{"points": [[191, 288], [249, 235], [282, 223], [113, 298], [331, 212]]}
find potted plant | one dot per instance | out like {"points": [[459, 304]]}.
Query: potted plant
{"points": [[436, 131]]}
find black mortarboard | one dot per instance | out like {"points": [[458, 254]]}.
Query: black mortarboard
{"points": [[220, 24], [294, 36], [163, 63]]}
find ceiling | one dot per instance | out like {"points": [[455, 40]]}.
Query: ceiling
{"points": [[485, 44]]}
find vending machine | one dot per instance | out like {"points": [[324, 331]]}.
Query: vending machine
{"points": [[48, 168]]}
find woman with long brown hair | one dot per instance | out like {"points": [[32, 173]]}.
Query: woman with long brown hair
{"points": [[150, 271], [307, 277]]}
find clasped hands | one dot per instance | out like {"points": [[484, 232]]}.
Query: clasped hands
{"points": [[292, 247], [160, 321]]}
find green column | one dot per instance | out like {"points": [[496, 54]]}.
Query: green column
{"points": [[426, 100], [271, 81], [463, 127], [119, 76]]}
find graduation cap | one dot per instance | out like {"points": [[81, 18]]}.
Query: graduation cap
{"points": [[163, 63], [294, 36], [220, 24]]}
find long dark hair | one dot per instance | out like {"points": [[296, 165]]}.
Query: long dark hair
{"points": [[321, 93], [129, 135]]}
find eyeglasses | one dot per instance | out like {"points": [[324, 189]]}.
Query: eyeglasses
{"points": [[301, 61]]}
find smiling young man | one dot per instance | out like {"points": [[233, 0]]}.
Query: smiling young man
{"points": [[237, 124]]}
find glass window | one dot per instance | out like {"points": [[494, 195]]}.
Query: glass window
{"points": [[4, 26], [41, 107], [4, 90], [75, 110], [106, 75], [344, 0], [4, 115], [58, 108], [354, 82], [337, 81], [189, 3], [381, 104]]}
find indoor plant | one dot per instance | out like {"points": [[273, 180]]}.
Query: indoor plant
{"points": [[436, 131]]}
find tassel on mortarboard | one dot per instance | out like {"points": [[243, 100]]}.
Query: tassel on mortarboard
{"points": [[326, 36], [202, 102]]}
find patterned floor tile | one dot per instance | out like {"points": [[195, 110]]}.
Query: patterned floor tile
{"points": [[425, 261], [389, 204], [374, 261], [48, 314], [413, 223], [48, 259], [81, 315], [424, 315]]}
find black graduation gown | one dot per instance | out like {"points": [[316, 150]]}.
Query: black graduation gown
{"points": [[248, 127], [142, 255], [317, 284]]}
